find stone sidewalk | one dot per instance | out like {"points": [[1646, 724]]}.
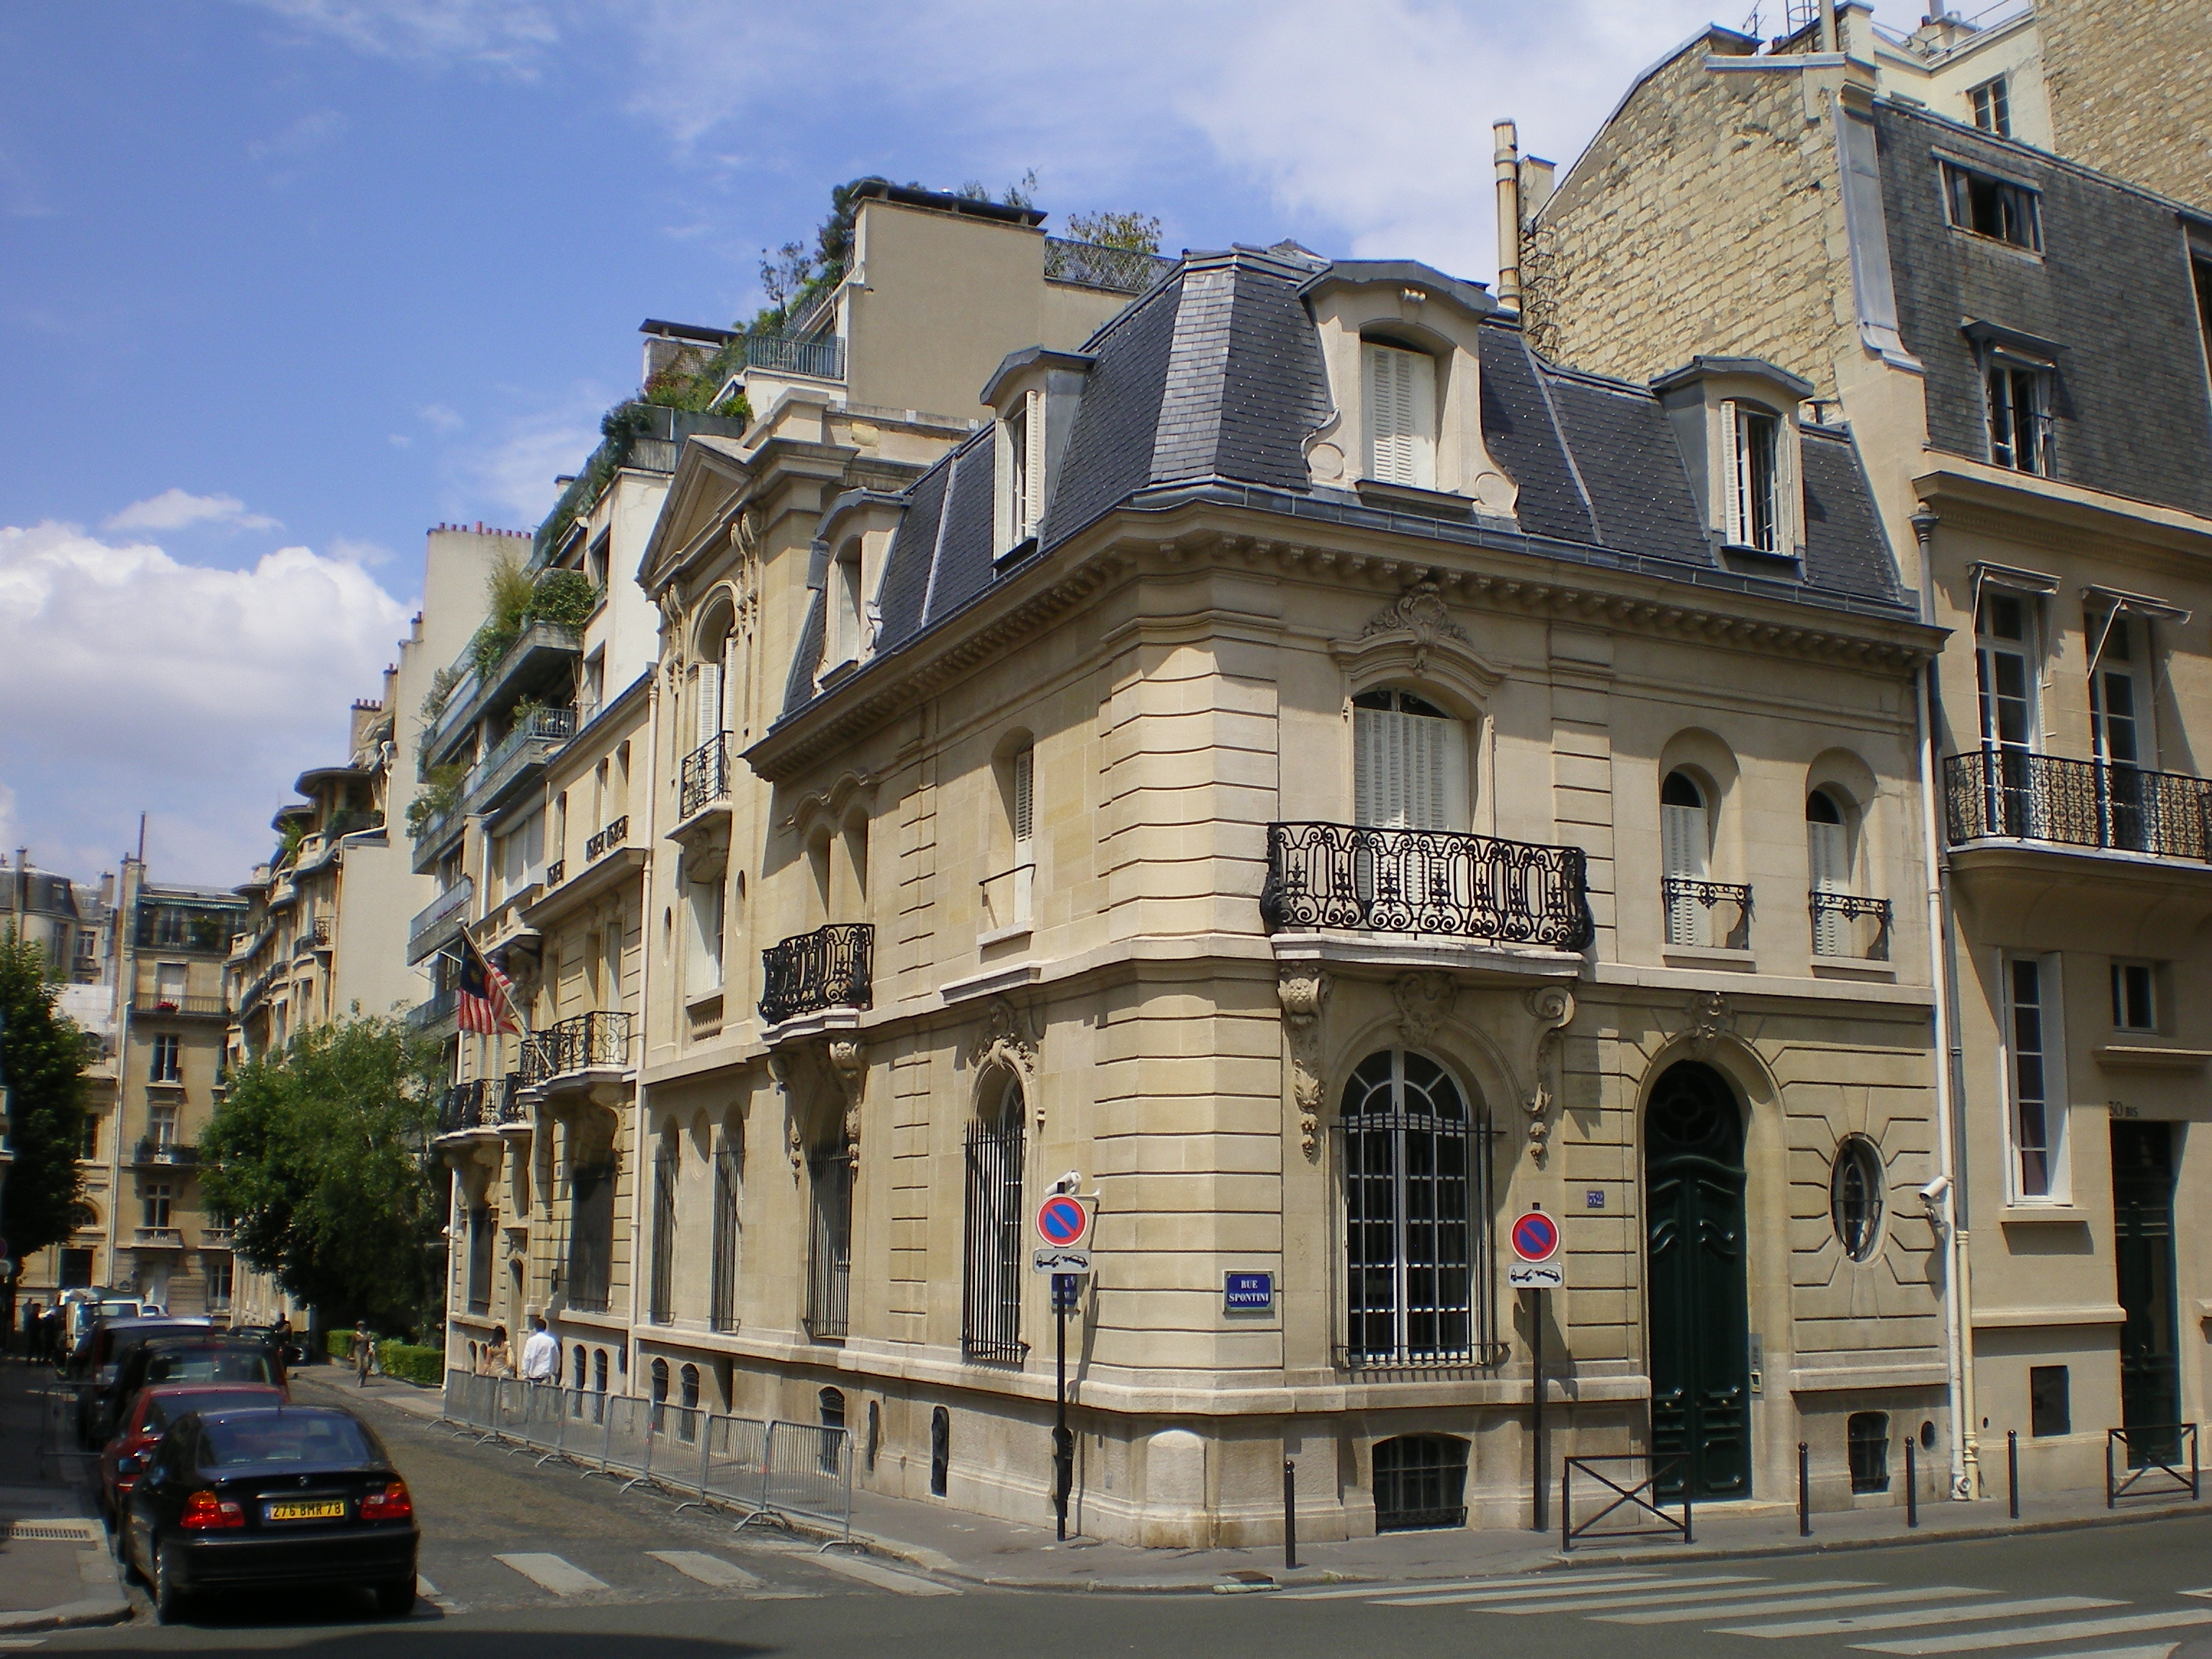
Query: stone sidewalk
{"points": [[56, 1571]]}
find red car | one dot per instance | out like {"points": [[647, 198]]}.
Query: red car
{"points": [[147, 1418]]}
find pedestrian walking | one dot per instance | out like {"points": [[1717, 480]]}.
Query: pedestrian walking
{"points": [[541, 1353], [362, 1351], [50, 1329], [495, 1360], [31, 1331]]}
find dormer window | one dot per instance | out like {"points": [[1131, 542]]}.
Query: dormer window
{"points": [[2003, 210], [1754, 501], [846, 568], [848, 631], [1035, 393], [1401, 414]]}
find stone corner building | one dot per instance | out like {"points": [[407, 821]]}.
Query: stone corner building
{"points": [[1329, 780]]}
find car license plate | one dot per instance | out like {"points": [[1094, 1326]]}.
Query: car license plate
{"points": [[309, 1509]]}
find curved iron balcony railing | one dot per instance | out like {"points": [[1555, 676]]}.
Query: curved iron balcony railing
{"points": [[461, 1107], [1425, 881], [705, 778], [828, 967], [603, 842], [2016, 795], [583, 1043]]}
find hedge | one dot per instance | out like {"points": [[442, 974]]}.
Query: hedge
{"points": [[410, 1363]]}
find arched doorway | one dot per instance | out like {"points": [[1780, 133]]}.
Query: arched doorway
{"points": [[1699, 1293]]}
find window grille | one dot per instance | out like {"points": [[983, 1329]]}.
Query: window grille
{"points": [[663, 1307], [829, 1256], [1420, 1481], [991, 1298], [590, 1272], [1866, 1440], [1416, 1208], [1854, 1197], [2031, 1112], [729, 1178]]}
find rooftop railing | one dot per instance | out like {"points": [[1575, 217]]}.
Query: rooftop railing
{"points": [[1364, 878], [1089, 264]]}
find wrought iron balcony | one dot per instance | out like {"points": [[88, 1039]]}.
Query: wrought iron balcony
{"points": [[1375, 880], [461, 1107], [442, 914], [555, 874], [1836, 930], [150, 1150], [615, 834], [583, 1043], [2012, 794], [177, 1005], [162, 1238], [1705, 912], [827, 968], [705, 778]]}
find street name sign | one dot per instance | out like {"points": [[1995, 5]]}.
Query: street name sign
{"points": [[1243, 1293]]}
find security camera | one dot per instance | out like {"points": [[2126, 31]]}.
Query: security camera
{"points": [[1070, 1181], [1935, 1192]]}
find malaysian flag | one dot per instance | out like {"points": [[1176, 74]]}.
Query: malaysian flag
{"points": [[485, 997]]}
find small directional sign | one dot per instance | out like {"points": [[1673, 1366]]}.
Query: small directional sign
{"points": [[1064, 1222], [1536, 1276], [1058, 1259], [1535, 1236]]}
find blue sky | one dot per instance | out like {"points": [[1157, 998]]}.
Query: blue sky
{"points": [[287, 282]]}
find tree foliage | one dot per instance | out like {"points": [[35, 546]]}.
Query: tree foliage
{"points": [[42, 1055], [1140, 232], [320, 1158]]}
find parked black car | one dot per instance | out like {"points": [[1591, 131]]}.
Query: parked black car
{"points": [[200, 1357], [267, 1498], [97, 1366]]}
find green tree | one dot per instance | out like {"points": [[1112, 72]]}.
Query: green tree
{"points": [[1140, 232], [320, 1157], [42, 1058]]}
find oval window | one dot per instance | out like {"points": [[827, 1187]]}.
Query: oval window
{"points": [[1854, 1197]]}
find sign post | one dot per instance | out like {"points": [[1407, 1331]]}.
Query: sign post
{"points": [[1535, 1238], [1063, 1222]]}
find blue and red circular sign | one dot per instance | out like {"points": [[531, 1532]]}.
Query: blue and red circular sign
{"points": [[1535, 1236], [1063, 1221]]}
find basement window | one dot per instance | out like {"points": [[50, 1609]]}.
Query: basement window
{"points": [[1989, 206]]}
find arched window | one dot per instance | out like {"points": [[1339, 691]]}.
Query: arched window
{"points": [[1685, 843], [661, 1310], [1828, 862], [830, 1456], [1415, 1182], [1409, 763], [991, 1290], [660, 1385], [1854, 1197], [729, 1227]]}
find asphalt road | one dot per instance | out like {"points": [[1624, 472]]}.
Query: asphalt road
{"points": [[546, 1564]]}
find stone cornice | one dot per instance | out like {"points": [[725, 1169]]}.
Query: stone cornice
{"points": [[2047, 512], [1513, 581]]}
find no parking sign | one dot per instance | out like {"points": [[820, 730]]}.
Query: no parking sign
{"points": [[1535, 1238]]}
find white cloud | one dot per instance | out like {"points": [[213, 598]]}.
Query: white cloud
{"points": [[512, 36], [516, 471], [305, 136], [135, 682], [439, 418], [175, 509]]}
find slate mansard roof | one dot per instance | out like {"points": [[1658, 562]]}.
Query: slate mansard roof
{"points": [[1206, 388]]}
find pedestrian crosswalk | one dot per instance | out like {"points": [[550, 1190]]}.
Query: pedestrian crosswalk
{"points": [[775, 1573], [1935, 1620]]}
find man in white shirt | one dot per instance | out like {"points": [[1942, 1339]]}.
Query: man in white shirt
{"points": [[541, 1354]]}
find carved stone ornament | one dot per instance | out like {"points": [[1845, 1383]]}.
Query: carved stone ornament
{"points": [[1423, 1000], [1552, 1006], [1420, 611], [848, 1064], [1305, 993], [780, 1068], [1710, 1020], [1006, 1042]]}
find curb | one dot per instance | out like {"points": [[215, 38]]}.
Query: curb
{"points": [[71, 1615]]}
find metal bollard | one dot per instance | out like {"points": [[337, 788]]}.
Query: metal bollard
{"points": [[2012, 1469], [1290, 1516], [1912, 1487], [1804, 1491]]}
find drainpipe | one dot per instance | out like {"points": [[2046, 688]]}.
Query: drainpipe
{"points": [[1947, 1213], [1506, 153]]}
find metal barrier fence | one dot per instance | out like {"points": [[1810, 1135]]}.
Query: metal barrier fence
{"points": [[776, 1470], [2154, 1454], [1640, 1499]]}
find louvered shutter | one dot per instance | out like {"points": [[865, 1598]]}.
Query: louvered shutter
{"points": [[1401, 769], [1033, 471], [707, 693], [1682, 850], [1024, 836], [1827, 851], [1736, 498]]}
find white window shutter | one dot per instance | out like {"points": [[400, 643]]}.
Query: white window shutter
{"points": [[1402, 770], [707, 693], [1827, 850], [1735, 496], [1032, 504], [1024, 820], [1682, 841]]}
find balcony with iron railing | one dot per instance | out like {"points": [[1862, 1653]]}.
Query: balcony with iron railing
{"points": [[434, 1011], [704, 778], [818, 357], [461, 1107], [440, 920], [1845, 925], [176, 1005], [151, 1150], [1363, 878], [596, 1041], [158, 1238], [1706, 914], [2011, 794], [535, 736], [602, 842], [828, 967]]}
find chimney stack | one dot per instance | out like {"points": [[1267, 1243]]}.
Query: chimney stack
{"points": [[1506, 153]]}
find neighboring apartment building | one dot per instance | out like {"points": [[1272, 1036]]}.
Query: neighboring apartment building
{"points": [[1311, 772], [2018, 346], [557, 865], [77, 931]]}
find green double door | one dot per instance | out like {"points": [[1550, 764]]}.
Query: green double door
{"points": [[2142, 1241], [1698, 1288]]}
